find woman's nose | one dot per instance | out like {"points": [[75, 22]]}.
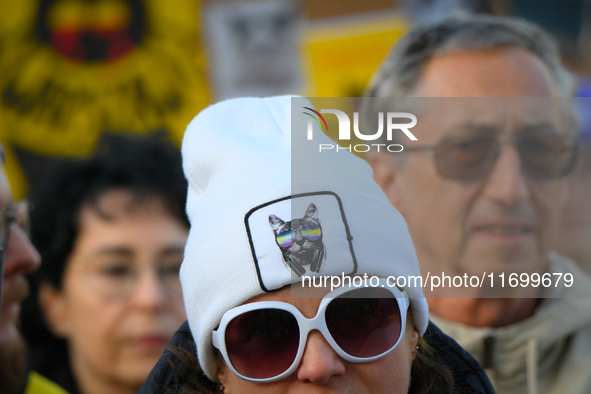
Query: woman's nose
{"points": [[319, 361], [149, 292]]}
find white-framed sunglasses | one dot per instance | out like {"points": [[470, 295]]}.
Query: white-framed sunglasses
{"points": [[264, 341]]}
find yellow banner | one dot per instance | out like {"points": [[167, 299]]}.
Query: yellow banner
{"points": [[71, 70], [342, 54]]}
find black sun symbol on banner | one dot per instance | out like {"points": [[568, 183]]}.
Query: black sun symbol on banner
{"points": [[71, 70]]}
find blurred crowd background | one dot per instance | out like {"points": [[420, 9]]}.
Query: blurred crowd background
{"points": [[74, 72], [79, 75]]}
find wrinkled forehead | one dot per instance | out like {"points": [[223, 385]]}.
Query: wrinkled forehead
{"points": [[438, 118]]}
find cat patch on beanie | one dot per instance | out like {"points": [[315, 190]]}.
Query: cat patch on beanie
{"points": [[300, 236], [300, 241]]}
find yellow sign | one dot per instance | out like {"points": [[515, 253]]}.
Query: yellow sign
{"points": [[341, 57], [342, 54], [71, 70]]}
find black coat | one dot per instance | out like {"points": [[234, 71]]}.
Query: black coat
{"points": [[469, 376]]}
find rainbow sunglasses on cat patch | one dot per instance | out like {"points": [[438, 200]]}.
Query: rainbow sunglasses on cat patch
{"points": [[311, 233]]}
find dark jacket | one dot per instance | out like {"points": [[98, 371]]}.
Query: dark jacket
{"points": [[469, 377]]}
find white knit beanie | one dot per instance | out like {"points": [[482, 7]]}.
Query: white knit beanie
{"points": [[249, 177]]}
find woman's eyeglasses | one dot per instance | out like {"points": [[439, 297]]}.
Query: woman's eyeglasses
{"points": [[265, 341], [469, 158], [116, 275]]}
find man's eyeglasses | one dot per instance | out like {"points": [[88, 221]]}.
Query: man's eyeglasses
{"points": [[472, 157], [265, 341], [19, 214]]}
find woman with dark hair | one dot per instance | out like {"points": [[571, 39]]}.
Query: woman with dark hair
{"points": [[298, 276], [111, 231]]}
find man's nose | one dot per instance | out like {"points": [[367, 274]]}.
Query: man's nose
{"points": [[319, 362], [507, 184], [21, 256]]}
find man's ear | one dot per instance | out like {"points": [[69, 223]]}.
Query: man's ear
{"points": [[386, 171], [54, 306]]}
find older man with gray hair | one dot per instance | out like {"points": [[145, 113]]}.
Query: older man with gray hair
{"points": [[482, 191]]}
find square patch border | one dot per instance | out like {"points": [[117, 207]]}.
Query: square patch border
{"points": [[323, 193]]}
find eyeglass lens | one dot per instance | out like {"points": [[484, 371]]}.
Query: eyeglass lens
{"points": [[264, 343], [18, 213], [117, 277], [364, 327], [469, 158]]}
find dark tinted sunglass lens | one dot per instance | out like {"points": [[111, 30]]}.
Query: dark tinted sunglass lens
{"points": [[466, 158], [263, 343], [547, 156], [364, 327]]}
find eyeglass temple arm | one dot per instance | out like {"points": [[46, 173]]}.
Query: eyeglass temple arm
{"points": [[214, 339], [419, 148]]}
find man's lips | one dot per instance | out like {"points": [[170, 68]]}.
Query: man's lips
{"points": [[504, 230]]}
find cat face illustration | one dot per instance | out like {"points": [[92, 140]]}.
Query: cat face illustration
{"points": [[300, 241]]}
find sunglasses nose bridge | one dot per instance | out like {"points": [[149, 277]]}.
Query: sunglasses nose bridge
{"points": [[317, 323], [492, 157], [507, 183], [307, 326], [510, 147]]}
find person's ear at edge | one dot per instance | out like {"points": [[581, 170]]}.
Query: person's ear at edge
{"points": [[223, 378], [53, 305], [386, 171]]}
